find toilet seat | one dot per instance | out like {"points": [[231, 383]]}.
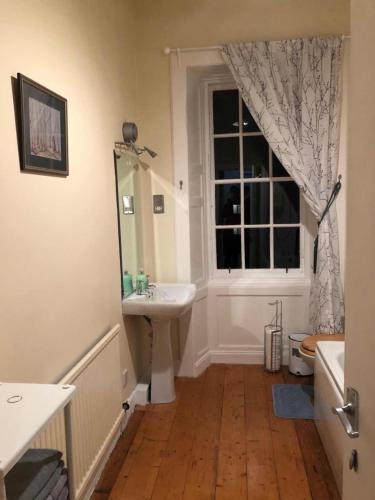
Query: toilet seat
{"points": [[308, 346]]}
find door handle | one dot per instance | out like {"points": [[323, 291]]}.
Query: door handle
{"points": [[348, 413], [342, 412]]}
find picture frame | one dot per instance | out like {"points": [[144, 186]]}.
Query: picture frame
{"points": [[43, 128]]}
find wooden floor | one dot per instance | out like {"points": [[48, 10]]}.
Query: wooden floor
{"points": [[219, 440]]}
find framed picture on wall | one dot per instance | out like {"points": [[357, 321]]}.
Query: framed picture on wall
{"points": [[44, 128]]}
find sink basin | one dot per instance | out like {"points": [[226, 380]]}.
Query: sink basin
{"points": [[170, 300]]}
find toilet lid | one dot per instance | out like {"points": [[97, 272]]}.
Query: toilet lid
{"points": [[309, 344]]}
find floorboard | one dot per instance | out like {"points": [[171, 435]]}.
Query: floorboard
{"points": [[231, 475], [118, 456], [170, 482], [261, 468], [290, 469], [201, 475], [138, 474], [319, 473], [219, 440]]}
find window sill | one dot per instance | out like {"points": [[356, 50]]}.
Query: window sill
{"points": [[260, 282]]}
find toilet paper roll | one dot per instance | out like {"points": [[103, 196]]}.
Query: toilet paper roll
{"points": [[272, 347]]}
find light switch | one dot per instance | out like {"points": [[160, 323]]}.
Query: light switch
{"points": [[128, 204], [158, 203]]}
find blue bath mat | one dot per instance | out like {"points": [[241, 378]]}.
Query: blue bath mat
{"points": [[293, 401]]}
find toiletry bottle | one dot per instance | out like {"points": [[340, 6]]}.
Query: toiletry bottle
{"points": [[141, 282], [127, 282]]}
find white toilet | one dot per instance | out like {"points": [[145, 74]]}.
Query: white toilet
{"points": [[297, 364], [307, 358], [308, 346]]}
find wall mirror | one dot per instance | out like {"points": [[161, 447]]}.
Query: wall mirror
{"points": [[134, 212]]}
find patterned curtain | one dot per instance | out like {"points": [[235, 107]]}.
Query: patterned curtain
{"points": [[293, 91]]}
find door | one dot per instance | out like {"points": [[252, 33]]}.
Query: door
{"points": [[360, 257]]}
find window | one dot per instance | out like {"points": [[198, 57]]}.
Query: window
{"points": [[256, 204]]}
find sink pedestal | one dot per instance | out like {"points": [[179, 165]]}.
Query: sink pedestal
{"points": [[168, 301], [162, 371]]}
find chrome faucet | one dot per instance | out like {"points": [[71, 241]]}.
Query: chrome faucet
{"points": [[150, 290]]}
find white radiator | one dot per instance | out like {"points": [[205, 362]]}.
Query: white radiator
{"points": [[96, 411]]}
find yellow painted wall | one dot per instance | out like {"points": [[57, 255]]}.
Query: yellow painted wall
{"points": [[59, 259], [194, 23]]}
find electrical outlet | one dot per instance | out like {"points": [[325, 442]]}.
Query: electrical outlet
{"points": [[124, 378]]}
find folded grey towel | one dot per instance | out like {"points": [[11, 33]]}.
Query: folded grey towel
{"points": [[62, 481], [64, 494], [33, 471], [51, 483]]}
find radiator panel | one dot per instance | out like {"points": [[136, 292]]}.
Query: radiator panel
{"points": [[96, 409]]}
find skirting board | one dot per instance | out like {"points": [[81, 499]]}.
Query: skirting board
{"points": [[202, 363], [235, 356], [138, 397], [238, 356]]}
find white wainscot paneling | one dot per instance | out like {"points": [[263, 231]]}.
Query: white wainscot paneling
{"points": [[197, 243], [202, 354], [194, 349], [237, 316]]}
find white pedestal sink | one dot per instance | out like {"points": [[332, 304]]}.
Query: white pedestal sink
{"points": [[169, 301]]}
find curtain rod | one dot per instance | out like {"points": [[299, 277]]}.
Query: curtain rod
{"points": [[169, 50]]}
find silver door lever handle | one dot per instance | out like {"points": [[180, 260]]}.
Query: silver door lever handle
{"points": [[346, 415]]}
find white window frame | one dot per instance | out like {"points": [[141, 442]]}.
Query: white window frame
{"points": [[225, 83]]}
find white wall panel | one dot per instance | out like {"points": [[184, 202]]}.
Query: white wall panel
{"points": [[237, 315], [200, 327], [241, 318]]}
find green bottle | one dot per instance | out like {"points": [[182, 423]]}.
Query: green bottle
{"points": [[141, 282], [127, 282]]}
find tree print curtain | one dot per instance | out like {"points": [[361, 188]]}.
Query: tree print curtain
{"points": [[293, 90]]}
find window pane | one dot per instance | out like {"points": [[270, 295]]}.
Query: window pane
{"points": [[286, 247], [285, 203], [257, 248], [228, 248], [225, 110], [248, 122], [228, 204], [227, 158], [255, 156], [257, 203], [277, 169]]}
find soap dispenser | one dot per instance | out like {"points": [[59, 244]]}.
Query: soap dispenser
{"points": [[127, 282]]}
